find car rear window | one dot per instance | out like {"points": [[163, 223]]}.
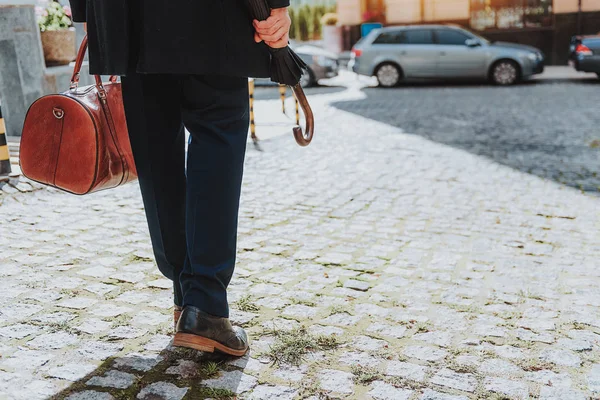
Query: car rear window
{"points": [[390, 38], [450, 37], [419, 36], [592, 42]]}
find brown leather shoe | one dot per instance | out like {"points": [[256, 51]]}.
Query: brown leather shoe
{"points": [[176, 314], [201, 331]]}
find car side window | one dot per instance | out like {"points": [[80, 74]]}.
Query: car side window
{"points": [[419, 36], [450, 37], [390, 38]]}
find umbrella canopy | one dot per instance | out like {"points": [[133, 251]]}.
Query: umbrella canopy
{"points": [[287, 68]]}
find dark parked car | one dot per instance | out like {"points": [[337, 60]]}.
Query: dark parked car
{"points": [[442, 51], [585, 54]]}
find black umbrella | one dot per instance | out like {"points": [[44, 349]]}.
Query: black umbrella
{"points": [[287, 68]]}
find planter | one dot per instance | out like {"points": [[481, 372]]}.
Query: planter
{"points": [[59, 46], [333, 38]]}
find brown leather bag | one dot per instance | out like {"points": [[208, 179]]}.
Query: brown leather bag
{"points": [[77, 141]]}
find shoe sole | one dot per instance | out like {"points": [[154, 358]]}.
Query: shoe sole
{"points": [[204, 344]]}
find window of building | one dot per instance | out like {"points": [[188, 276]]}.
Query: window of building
{"points": [[507, 14], [419, 36], [451, 37]]}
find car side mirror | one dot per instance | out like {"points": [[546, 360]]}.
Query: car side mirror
{"points": [[472, 43]]}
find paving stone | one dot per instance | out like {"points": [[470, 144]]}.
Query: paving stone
{"points": [[60, 317], [133, 297], [561, 393], [158, 343], [397, 331], [593, 379], [161, 284], [110, 310], [406, 370], [425, 353], [93, 326], [26, 359], [19, 331], [90, 395], [336, 381], [262, 392], [97, 272], [113, 379], [454, 380], [20, 311], [126, 332], [342, 319], [71, 372], [291, 374], [357, 285], [366, 343], [96, 350], [77, 303], [185, 369], [162, 391], [498, 367], [326, 330], [384, 391], [151, 318], [49, 341], [514, 389], [547, 377], [371, 309], [575, 344], [235, 381], [100, 288], [429, 394], [356, 358], [138, 361], [442, 339], [560, 357]]}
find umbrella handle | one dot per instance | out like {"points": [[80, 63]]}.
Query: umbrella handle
{"points": [[304, 138]]}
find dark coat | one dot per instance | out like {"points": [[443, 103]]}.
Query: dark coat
{"points": [[173, 36]]}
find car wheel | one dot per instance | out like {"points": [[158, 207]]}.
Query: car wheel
{"points": [[388, 75], [505, 73], [307, 79], [598, 74]]}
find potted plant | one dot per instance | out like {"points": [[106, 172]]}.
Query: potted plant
{"points": [[57, 32], [332, 33]]}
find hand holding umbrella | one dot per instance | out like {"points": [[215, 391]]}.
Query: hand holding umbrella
{"points": [[286, 68]]}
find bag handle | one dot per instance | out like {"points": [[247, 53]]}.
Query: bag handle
{"points": [[79, 62]]}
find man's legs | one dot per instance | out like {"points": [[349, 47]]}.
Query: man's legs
{"points": [[215, 110], [152, 107]]}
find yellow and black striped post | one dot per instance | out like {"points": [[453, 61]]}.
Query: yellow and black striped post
{"points": [[282, 90], [5, 169], [252, 124]]}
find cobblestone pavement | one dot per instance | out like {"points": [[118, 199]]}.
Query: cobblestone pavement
{"points": [[372, 265], [548, 128]]}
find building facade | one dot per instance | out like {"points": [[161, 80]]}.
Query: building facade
{"points": [[546, 24]]}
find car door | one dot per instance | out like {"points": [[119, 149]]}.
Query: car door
{"points": [[455, 59], [418, 53]]}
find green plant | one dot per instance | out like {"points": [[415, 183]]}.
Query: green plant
{"points": [[293, 16], [303, 24], [329, 19], [52, 16], [245, 304], [364, 375]]}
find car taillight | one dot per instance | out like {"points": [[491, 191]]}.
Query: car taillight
{"points": [[583, 50], [357, 52]]}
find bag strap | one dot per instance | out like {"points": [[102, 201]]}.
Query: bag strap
{"points": [[77, 69]]}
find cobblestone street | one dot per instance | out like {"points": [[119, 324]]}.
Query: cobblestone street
{"points": [[374, 264]]}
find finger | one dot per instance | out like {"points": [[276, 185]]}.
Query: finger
{"points": [[271, 30], [257, 38], [275, 36], [279, 43], [267, 23]]}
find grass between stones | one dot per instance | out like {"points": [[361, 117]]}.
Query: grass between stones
{"points": [[246, 304], [364, 375], [291, 346]]}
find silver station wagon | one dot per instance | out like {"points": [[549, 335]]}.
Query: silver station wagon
{"points": [[441, 51]]}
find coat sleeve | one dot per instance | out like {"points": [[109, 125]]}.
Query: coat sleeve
{"points": [[78, 10], [278, 3]]}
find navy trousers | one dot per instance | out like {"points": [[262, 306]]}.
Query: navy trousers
{"points": [[192, 210]]}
